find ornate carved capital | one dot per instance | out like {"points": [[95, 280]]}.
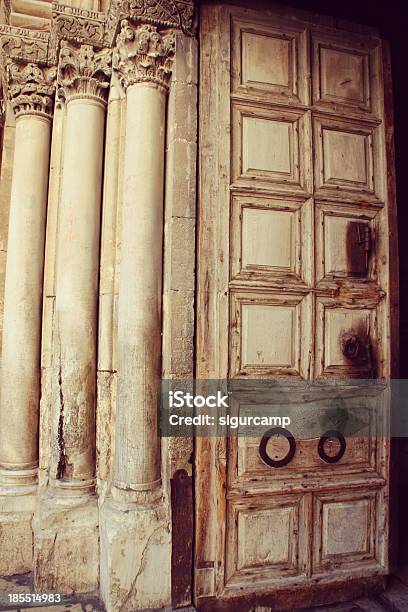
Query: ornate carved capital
{"points": [[31, 88], [143, 54], [83, 72]]}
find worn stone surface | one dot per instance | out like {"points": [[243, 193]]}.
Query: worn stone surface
{"points": [[45, 424], [181, 259], [16, 541], [105, 424], [181, 161], [66, 557], [178, 334], [135, 546]]}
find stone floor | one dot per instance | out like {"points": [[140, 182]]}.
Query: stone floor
{"points": [[394, 599]]}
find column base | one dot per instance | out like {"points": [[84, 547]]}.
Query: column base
{"points": [[135, 556], [17, 507], [66, 544]]}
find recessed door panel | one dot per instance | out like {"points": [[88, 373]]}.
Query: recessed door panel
{"points": [[263, 539], [344, 73], [270, 335], [346, 337], [270, 240], [253, 72], [345, 242], [359, 455], [346, 162], [345, 530], [270, 149]]}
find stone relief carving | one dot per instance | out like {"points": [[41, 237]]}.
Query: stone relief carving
{"points": [[143, 54], [23, 44], [79, 25], [172, 13], [31, 88], [83, 72]]}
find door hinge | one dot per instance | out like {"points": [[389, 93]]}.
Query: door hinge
{"points": [[364, 240]]}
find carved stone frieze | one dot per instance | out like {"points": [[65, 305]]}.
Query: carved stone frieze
{"points": [[31, 88], [23, 44], [78, 25], [143, 54], [83, 72], [178, 14]]}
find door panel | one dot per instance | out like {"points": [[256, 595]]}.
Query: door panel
{"points": [[344, 531], [360, 456], [252, 72], [345, 242], [345, 156], [345, 73], [270, 149], [345, 339], [270, 240], [277, 555], [293, 283], [269, 335]]}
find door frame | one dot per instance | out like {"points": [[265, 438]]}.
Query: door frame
{"points": [[212, 305]]}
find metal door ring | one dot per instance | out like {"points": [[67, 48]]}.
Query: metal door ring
{"points": [[326, 436], [277, 431]]}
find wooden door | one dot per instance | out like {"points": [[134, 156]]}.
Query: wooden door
{"points": [[294, 260]]}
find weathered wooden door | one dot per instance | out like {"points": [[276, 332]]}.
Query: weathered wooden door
{"points": [[294, 264]]}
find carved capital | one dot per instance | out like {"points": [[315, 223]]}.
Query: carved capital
{"points": [[83, 72], [31, 88], [143, 54]]}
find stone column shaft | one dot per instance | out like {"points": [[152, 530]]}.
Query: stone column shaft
{"points": [[31, 91], [140, 290], [83, 77], [143, 60], [20, 372], [77, 291]]}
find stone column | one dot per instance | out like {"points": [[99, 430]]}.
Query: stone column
{"points": [[31, 90], [135, 538], [69, 507]]}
